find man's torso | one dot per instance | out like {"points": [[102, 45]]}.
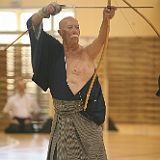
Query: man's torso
{"points": [[80, 69]]}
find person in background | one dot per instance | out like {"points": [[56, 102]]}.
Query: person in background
{"points": [[21, 108], [67, 69]]}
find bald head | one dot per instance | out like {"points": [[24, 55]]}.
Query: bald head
{"points": [[67, 21], [69, 31]]}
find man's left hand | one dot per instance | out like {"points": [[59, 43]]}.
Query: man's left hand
{"points": [[109, 12]]}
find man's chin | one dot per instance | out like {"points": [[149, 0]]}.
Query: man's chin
{"points": [[75, 41]]}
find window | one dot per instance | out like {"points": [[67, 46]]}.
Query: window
{"points": [[13, 23], [23, 19], [7, 38], [26, 15], [8, 21]]}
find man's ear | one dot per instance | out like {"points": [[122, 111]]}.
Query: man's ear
{"points": [[60, 32]]}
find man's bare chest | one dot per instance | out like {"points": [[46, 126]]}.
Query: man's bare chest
{"points": [[78, 71], [79, 67]]}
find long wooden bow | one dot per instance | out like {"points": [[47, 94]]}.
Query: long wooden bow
{"points": [[106, 44], [100, 60], [146, 19]]}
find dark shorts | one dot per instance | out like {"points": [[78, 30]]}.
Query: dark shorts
{"points": [[21, 127]]}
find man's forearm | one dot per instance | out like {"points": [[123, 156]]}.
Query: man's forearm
{"points": [[108, 14], [36, 19], [105, 27]]}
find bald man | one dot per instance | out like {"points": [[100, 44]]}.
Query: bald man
{"points": [[67, 70]]}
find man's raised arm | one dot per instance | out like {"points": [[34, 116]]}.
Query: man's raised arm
{"points": [[94, 48]]}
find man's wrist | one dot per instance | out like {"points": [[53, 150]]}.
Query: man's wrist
{"points": [[51, 9], [44, 13]]}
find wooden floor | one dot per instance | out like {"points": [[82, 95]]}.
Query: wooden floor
{"points": [[130, 143]]}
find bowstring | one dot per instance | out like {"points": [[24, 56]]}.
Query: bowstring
{"points": [[125, 17]]}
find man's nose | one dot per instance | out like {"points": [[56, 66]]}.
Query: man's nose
{"points": [[75, 30]]}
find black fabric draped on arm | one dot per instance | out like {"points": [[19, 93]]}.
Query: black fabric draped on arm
{"points": [[43, 57]]}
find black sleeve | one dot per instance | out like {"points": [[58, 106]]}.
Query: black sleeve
{"points": [[44, 51]]}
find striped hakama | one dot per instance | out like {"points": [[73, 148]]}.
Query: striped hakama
{"points": [[73, 136]]}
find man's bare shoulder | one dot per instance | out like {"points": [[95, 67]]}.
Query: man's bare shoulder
{"points": [[86, 56]]}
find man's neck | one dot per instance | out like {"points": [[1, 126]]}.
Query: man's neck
{"points": [[71, 50]]}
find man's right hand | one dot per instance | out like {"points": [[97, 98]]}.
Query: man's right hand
{"points": [[51, 9]]}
